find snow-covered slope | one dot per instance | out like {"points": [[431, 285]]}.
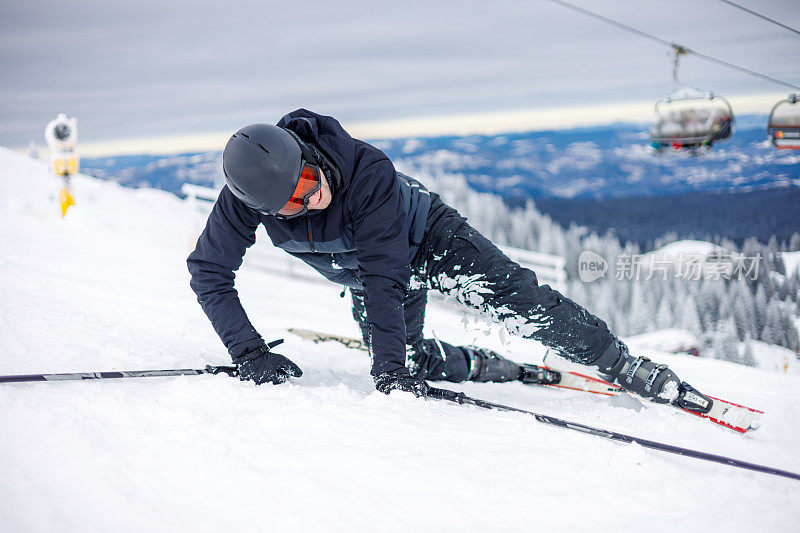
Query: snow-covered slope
{"points": [[791, 261], [686, 248], [671, 340], [107, 288], [766, 356]]}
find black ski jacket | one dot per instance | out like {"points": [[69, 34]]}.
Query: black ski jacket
{"points": [[365, 239]]}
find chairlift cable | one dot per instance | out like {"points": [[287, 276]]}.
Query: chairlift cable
{"points": [[759, 15], [613, 22], [745, 70], [672, 45]]}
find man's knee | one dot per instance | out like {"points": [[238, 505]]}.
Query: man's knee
{"points": [[439, 361]]}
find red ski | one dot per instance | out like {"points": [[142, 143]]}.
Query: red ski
{"points": [[584, 383], [727, 414], [731, 415]]}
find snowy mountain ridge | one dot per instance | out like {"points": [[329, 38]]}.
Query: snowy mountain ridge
{"points": [[599, 162], [107, 288], [602, 178]]}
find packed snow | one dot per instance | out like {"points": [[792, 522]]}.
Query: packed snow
{"points": [[671, 340], [766, 356], [106, 288]]}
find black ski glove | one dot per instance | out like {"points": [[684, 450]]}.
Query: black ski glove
{"points": [[400, 380], [262, 366]]}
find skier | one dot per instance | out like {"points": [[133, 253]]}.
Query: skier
{"points": [[338, 204]]}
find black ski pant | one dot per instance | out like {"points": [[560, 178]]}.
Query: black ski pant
{"points": [[456, 260], [425, 358]]}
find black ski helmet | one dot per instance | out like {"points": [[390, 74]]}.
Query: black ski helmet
{"points": [[262, 165]]}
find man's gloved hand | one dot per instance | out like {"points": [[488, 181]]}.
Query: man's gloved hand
{"points": [[400, 380], [262, 366]]}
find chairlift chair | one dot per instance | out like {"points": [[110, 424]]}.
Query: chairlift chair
{"points": [[784, 123], [689, 118]]}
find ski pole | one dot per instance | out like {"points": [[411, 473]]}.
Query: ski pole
{"points": [[209, 369], [461, 398]]}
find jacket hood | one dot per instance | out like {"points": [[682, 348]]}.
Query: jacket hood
{"points": [[336, 147]]}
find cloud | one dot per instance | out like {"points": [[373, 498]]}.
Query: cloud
{"points": [[166, 68]]}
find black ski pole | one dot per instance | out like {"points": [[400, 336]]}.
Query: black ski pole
{"points": [[209, 369], [460, 397]]}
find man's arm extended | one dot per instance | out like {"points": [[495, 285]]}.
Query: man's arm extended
{"points": [[230, 230], [381, 237]]}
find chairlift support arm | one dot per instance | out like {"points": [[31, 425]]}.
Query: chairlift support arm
{"points": [[678, 51]]}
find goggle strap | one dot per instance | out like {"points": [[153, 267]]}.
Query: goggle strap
{"points": [[310, 154]]}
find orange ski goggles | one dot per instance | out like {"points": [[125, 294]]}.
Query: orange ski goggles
{"points": [[308, 184]]}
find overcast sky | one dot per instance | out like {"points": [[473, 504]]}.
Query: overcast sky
{"points": [[154, 68]]}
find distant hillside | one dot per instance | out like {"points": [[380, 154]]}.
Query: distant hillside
{"points": [[166, 172], [735, 215], [566, 171], [602, 162], [599, 162]]}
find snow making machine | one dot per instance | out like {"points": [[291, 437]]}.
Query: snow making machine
{"points": [[784, 123], [61, 135]]}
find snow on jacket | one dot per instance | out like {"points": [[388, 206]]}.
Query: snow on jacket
{"points": [[365, 239]]}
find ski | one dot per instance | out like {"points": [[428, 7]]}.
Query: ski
{"points": [[723, 413], [317, 336], [733, 416], [582, 382], [566, 379]]}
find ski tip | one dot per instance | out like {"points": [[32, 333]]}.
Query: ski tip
{"points": [[739, 419]]}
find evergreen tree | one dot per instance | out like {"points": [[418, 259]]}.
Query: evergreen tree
{"points": [[664, 317], [748, 356], [690, 320], [709, 303], [773, 332], [642, 316], [778, 265], [740, 319], [725, 307], [725, 344], [794, 242], [772, 245], [713, 310], [760, 311], [792, 336]]}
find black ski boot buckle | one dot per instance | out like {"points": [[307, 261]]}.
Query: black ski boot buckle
{"points": [[691, 399], [532, 374]]}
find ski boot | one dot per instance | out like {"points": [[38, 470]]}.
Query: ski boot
{"points": [[649, 380], [532, 374], [486, 365]]}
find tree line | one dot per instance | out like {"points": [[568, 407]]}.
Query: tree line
{"points": [[722, 313]]}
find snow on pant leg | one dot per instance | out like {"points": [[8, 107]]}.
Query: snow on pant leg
{"points": [[360, 314], [424, 359], [445, 361], [462, 263]]}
